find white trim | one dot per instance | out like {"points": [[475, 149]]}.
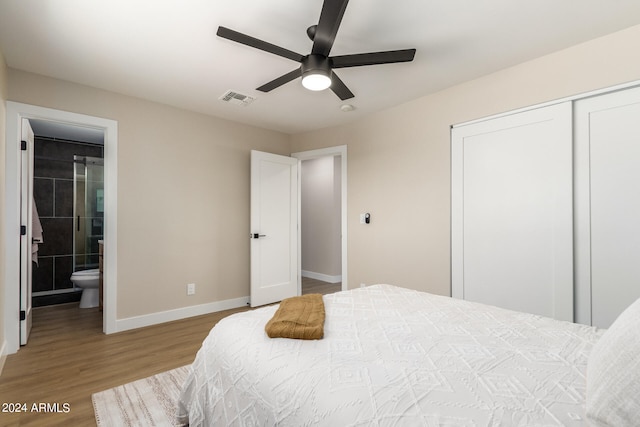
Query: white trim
{"points": [[340, 150], [179, 313], [320, 276], [110, 246], [15, 113], [572, 98], [3, 355]]}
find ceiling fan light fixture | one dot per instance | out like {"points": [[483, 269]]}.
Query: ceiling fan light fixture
{"points": [[316, 72], [316, 81]]}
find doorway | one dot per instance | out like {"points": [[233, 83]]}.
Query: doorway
{"points": [[323, 219], [67, 181], [16, 112]]}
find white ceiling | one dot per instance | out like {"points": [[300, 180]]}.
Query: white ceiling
{"points": [[167, 50]]}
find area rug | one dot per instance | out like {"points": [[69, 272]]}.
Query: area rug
{"points": [[150, 401]]}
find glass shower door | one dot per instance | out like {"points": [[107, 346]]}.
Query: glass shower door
{"points": [[88, 211]]}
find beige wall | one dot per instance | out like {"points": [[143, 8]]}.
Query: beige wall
{"points": [[3, 127], [183, 194], [399, 159], [321, 216]]}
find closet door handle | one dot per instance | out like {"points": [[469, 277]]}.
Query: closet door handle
{"points": [[78, 226]]}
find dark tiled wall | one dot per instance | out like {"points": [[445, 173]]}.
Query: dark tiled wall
{"points": [[53, 195]]}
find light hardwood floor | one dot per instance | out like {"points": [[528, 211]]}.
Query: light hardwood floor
{"points": [[68, 358], [313, 286]]}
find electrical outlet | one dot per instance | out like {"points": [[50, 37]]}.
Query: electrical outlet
{"points": [[191, 289], [362, 285]]}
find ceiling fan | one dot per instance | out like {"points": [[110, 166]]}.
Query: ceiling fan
{"points": [[316, 69]]}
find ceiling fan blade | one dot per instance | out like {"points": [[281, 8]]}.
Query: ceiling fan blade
{"points": [[286, 78], [330, 18], [373, 58], [235, 36], [339, 88]]}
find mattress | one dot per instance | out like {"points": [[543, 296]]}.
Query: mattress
{"points": [[393, 357]]}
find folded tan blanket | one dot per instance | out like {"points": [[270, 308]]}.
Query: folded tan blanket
{"points": [[298, 317]]}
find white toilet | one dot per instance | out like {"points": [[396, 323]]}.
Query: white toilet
{"points": [[88, 281]]}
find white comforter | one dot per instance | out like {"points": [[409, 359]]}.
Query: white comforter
{"points": [[393, 357]]}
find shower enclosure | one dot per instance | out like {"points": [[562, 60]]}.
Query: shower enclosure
{"points": [[88, 211]]}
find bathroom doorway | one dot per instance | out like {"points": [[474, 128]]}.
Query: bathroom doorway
{"points": [[67, 179], [108, 129]]}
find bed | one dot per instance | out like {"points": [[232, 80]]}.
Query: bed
{"points": [[393, 357]]}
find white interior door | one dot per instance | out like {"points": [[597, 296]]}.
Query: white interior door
{"points": [[607, 205], [512, 212], [26, 215], [274, 228]]}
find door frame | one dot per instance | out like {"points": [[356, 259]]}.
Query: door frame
{"points": [[15, 113], [340, 150]]}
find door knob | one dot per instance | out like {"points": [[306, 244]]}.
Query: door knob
{"points": [[256, 236]]}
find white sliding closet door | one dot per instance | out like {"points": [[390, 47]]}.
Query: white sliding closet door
{"points": [[607, 206], [512, 240]]}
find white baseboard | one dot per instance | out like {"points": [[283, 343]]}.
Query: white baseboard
{"points": [[179, 313], [323, 277], [3, 355]]}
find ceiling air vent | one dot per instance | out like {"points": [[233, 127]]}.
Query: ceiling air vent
{"points": [[236, 98]]}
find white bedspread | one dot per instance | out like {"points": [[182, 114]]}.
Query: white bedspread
{"points": [[393, 357]]}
